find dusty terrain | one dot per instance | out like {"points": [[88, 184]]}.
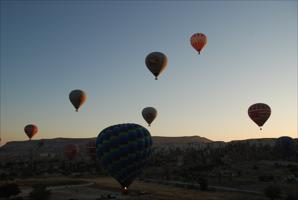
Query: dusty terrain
{"points": [[76, 188]]}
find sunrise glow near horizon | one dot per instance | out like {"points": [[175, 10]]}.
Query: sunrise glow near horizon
{"points": [[49, 48]]}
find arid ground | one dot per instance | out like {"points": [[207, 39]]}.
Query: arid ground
{"points": [[104, 187]]}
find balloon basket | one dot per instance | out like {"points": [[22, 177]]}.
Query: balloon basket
{"points": [[124, 190]]}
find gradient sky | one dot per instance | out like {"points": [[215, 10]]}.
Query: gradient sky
{"points": [[49, 48]]}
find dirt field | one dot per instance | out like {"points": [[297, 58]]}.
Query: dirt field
{"points": [[144, 191], [139, 190]]}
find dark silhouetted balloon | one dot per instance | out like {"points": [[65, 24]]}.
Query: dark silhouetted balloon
{"points": [[71, 150], [77, 98], [123, 151], [30, 130], [259, 113], [156, 62], [285, 146], [149, 114], [198, 41]]}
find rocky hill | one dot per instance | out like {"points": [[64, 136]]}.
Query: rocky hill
{"points": [[55, 147], [159, 140]]}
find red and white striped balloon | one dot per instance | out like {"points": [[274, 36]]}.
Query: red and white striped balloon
{"points": [[198, 41], [30, 130], [259, 113]]}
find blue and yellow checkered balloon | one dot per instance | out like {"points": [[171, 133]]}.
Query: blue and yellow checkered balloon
{"points": [[123, 151]]}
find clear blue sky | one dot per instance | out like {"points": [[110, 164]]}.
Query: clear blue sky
{"points": [[49, 48]]}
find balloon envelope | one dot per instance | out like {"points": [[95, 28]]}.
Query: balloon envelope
{"points": [[123, 151], [259, 113], [71, 150], [77, 98], [30, 130], [198, 41], [149, 114], [156, 62]]}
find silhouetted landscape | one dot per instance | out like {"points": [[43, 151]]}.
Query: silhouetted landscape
{"points": [[148, 100], [194, 164]]}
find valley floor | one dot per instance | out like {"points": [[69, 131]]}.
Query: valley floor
{"points": [[104, 187]]}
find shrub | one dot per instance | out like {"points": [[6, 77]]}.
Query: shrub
{"points": [[9, 190], [4, 177], [292, 197], [39, 192], [272, 192], [266, 178], [17, 198], [203, 184]]}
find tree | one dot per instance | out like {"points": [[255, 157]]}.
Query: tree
{"points": [[40, 192], [9, 190], [272, 192], [203, 183], [291, 197]]}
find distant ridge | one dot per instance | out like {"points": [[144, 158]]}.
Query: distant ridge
{"points": [[56, 146], [157, 140], [162, 140]]}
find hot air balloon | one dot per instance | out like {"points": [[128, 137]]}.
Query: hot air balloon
{"points": [[30, 130], [156, 62], [70, 151], [91, 149], [77, 98], [149, 114], [285, 146], [259, 113], [123, 151], [198, 41]]}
